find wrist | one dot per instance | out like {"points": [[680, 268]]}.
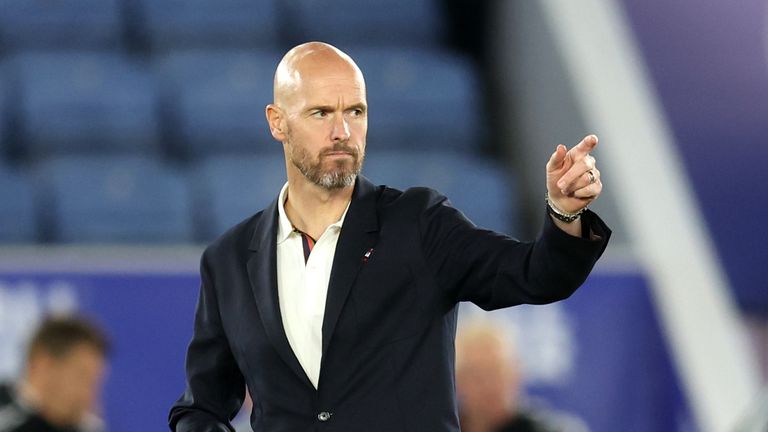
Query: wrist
{"points": [[560, 214]]}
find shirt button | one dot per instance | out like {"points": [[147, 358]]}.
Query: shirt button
{"points": [[324, 416]]}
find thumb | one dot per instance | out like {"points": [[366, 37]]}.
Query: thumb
{"points": [[557, 158]]}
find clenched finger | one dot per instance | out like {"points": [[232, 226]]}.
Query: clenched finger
{"points": [[590, 191], [578, 170], [586, 179]]}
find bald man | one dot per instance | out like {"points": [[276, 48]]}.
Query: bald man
{"points": [[489, 384], [336, 305]]}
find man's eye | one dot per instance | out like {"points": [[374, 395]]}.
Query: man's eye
{"points": [[319, 114], [357, 112]]}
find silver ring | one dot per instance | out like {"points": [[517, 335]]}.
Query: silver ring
{"points": [[592, 177]]}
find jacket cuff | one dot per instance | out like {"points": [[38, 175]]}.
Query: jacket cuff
{"points": [[197, 422], [594, 235]]}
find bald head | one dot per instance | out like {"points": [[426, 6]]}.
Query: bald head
{"points": [[487, 375], [482, 339], [310, 62]]}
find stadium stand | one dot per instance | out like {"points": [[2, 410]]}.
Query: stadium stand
{"points": [[4, 120], [143, 120], [228, 189], [213, 101], [18, 217], [420, 99], [371, 22], [84, 102], [58, 24], [107, 199], [181, 24]]}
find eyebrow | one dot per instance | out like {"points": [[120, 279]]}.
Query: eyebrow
{"points": [[361, 106]]}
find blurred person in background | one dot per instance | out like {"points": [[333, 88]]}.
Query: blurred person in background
{"points": [[489, 385], [61, 382]]}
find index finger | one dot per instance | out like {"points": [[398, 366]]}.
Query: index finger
{"points": [[584, 147]]}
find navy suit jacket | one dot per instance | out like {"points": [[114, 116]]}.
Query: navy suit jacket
{"points": [[390, 318]]}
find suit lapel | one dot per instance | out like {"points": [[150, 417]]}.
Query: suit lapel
{"points": [[262, 272], [358, 235]]}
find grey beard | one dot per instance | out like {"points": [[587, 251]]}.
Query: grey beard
{"points": [[337, 179], [331, 180]]}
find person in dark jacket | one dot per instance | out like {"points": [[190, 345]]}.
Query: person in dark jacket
{"points": [[336, 305]]}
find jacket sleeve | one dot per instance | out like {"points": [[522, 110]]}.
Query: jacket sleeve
{"points": [[215, 385], [493, 270]]}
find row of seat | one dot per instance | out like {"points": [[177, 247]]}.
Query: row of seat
{"points": [[160, 25], [108, 199], [197, 103]]}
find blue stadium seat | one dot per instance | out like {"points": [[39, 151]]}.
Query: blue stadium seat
{"points": [[421, 99], [482, 190], [60, 24], [18, 220], [80, 102], [231, 188], [215, 100], [179, 24], [115, 199], [3, 114], [372, 22]]}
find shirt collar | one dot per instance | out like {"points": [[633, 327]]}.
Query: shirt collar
{"points": [[285, 227]]}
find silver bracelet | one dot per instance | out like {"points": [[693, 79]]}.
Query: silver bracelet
{"points": [[561, 215]]}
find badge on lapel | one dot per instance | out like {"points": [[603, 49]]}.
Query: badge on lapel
{"points": [[367, 255]]}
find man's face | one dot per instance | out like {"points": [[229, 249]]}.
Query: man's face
{"points": [[72, 383], [326, 124], [486, 381]]}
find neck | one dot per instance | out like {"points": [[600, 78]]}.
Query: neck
{"points": [[312, 208]]}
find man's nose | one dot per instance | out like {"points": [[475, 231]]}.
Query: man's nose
{"points": [[340, 131]]}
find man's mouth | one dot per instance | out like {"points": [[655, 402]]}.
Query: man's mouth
{"points": [[338, 154]]}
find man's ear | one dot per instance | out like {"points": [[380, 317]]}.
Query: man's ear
{"points": [[276, 121]]}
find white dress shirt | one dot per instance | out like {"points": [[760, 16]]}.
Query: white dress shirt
{"points": [[302, 288]]}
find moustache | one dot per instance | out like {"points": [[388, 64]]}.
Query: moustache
{"points": [[340, 148]]}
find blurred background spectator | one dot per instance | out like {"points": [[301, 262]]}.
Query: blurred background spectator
{"points": [[59, 389], [490, 388]]}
